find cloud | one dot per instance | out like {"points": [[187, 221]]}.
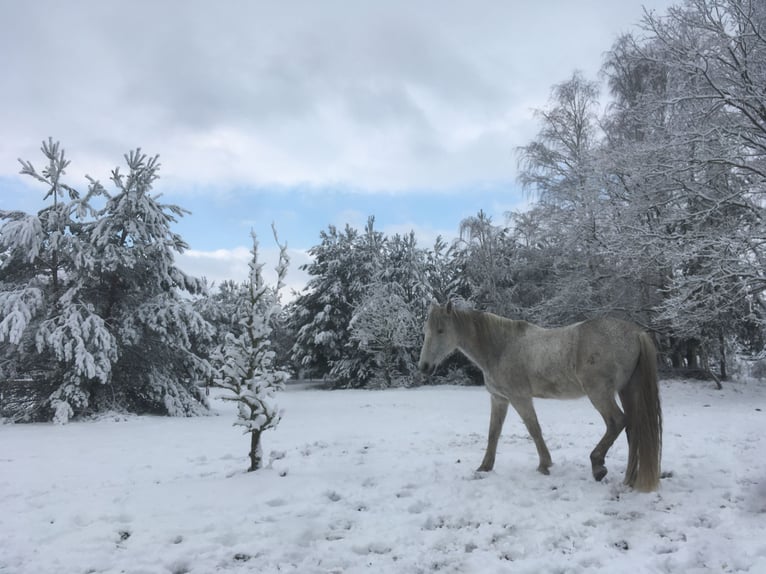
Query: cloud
{"points": [[375, 96], [232, 264]]}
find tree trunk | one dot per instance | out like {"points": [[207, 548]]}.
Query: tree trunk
{"points": [[256, 454], [692, 358], [722, 343]]}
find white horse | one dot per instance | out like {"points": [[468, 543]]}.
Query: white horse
{"points": [[597, 358]]}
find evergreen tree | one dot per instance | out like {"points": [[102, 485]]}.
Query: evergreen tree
{"points": [[343, 267], [245, 362], [443, 276], [49, 328], [386, 327], [137, 290], [387, 336], [484, 251], [91, 300]]}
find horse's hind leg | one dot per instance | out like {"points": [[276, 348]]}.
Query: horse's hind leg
{"points": [[526, 410], [615, 421], [496, 418]]}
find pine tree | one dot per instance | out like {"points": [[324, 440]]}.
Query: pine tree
{"points": [[244, 364], [386, 328], [443, 278], [321, 313], [345, 265], [484, 251], [49, 328], [137, 290], [386, 334]]}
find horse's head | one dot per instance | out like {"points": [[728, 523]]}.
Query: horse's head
{"points": [[440, 337]]}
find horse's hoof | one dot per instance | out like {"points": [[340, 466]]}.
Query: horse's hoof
{"points": [[599, 473], [543, 470]]}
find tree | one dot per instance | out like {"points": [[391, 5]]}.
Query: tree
{"points": [[688, 150], [386, 327], [48, 327], [484, 253], [244, 364], [91, 300], [562, 167], [359, 322], [717, 52], [137, 290], [443, 277], [344, 265]]}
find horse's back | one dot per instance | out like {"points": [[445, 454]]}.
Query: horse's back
{"points": [[593, 356], [550, 360], [607, 351]]}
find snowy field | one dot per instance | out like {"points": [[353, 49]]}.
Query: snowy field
{"points": [[383, 481]]}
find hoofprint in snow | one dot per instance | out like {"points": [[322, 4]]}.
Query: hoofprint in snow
{"points": [[383, 481]]}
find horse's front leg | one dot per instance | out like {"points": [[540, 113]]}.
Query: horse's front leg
{"points": [[526, 410], [496, 418]]}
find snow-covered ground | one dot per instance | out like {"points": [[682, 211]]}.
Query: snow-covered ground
{"points": [[383, 481]]}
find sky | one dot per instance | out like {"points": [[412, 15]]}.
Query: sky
{"points": [[303, 114]]}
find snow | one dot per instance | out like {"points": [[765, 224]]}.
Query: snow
{"points": [[384, 481]]}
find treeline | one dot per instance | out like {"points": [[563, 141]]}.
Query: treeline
{"points": [[650, 208]]}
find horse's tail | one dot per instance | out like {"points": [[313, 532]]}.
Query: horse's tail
{"points": [[641, 401]]}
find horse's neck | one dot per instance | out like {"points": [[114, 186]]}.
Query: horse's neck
{"points": [[480, 337]]}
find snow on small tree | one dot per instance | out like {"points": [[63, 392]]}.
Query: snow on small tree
{"points": [[245, 362]]}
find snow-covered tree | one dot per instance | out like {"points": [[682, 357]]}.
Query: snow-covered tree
{"points": [[687, 135], [91, 301], [443, 276], [244, 365], [49, 329], [484, 252], [344, 265], [387, 330], [321, 313], [139, 292], [218, 307], [563, 167], [386, 326]]}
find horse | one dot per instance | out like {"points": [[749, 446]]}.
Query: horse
{"points": [[598, 358]]}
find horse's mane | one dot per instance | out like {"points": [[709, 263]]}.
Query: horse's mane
{"points": [[491, 330]]}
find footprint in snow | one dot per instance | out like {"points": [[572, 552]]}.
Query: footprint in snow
{"points": [[338, 530], [418, 507], [371, 548]]}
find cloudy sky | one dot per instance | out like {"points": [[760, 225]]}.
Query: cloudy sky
{"points": [[301, 113]]}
